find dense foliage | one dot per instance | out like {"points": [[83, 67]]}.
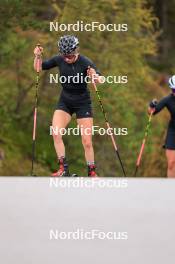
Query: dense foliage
{"points": [[144, 53]]}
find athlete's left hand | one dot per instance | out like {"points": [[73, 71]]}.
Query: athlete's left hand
{"points": [[93, 75], [91, 72]]}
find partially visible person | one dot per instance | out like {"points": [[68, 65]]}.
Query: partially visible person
{"points": [[156, 107]]}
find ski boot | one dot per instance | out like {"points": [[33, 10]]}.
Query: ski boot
{"points": [[63, 169], [91, 171]]}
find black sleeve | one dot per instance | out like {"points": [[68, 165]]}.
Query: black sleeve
{"points": [[160, 105], [51, 63]]}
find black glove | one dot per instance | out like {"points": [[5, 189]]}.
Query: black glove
{"points": [[153, 103]]}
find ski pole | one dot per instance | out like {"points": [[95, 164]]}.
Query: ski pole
{"points": [[35, 115], [143, 143], [108, 126]]}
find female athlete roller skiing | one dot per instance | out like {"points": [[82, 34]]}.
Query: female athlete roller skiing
{"points": [[169, 103], [74, 98]]}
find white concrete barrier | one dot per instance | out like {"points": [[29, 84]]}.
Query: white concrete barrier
{"points": [[35, 213]]}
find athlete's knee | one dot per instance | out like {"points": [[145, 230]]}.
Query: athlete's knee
{"points": [[87, 143], [171, 164], [57, 137]]}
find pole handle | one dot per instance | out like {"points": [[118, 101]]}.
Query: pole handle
{"points": [[38, 58]]}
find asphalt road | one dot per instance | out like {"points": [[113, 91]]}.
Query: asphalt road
{"points": [[31, 209]]}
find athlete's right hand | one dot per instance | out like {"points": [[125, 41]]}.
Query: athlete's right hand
{"points": [[153, 103], [38, 58], [152, 106], [38, 51]]}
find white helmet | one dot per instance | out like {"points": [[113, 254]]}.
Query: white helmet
{"points": [[67, 44], [172, 82]]}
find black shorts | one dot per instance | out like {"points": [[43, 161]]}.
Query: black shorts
{"points": [[170, 139], [82, 109]]}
